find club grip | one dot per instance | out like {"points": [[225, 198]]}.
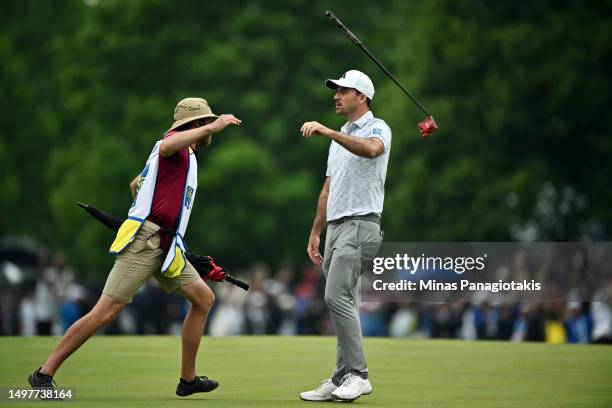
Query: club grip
{"points": [[237, 282]]}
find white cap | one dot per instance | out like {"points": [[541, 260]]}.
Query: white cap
{"points": [[353, 79]]}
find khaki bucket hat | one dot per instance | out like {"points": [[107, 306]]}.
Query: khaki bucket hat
{"points": [[190, 109]]}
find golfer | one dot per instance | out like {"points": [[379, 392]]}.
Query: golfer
{"points": [[150, 243], [351, 203]]}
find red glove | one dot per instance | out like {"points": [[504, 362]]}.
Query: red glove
{"points": [[427, 127], [216, 273]]}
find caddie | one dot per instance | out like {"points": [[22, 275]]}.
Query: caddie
{"points": [[151, 243]]}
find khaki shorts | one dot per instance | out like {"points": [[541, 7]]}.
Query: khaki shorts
{"points": [[140, 260]]}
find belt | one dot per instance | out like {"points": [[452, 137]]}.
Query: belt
{"points": [[367, 217]]}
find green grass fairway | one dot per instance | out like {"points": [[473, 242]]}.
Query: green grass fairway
{"points": [[271, 371]]}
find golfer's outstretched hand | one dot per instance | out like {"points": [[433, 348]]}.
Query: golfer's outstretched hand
{"points": [[314, 129], [313, 250], [222, 122]]}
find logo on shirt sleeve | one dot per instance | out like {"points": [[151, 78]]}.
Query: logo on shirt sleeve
{"points": [[377, 131]]}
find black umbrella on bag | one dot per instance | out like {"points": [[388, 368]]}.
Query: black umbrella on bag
{"points": [[204, 264]]}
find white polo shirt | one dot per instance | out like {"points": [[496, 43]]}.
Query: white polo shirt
{"points": [[357, 185]]}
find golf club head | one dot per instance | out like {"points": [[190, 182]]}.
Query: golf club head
{"points": [[427, 127]]}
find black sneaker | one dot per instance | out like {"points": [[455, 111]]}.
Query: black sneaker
{"points": [[40, 381], [202, 384]]}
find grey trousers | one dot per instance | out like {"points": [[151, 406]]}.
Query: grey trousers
{"points": [[347, 247]]}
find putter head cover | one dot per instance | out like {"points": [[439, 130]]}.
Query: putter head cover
{"points": [[427, 127], [206, 267]]}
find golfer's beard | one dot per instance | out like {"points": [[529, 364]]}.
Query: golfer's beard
{"points": [[346, 111]]}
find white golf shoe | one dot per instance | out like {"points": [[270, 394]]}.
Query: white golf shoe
{"points": [[352, 387], [322, 393]]}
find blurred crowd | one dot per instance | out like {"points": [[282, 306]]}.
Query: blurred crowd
{"points": [[288, 301]]}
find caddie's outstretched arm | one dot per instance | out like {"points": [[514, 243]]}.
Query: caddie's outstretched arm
{"points": [[171, 145]]}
